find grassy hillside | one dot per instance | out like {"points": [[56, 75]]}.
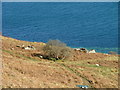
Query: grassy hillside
{"points": [[23, 70]]}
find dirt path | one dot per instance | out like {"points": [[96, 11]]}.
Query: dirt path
{"points": [[84, 79]]}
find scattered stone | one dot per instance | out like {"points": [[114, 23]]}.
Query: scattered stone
{"points": [[82, 86], [29, 48], [12, 48], [84, 50], [77, 49], [90, 81], [97, 65], [23, 46], [106, 54], [92, 51], [88, 62], [18, 46], [41, 56], [81, 50]]}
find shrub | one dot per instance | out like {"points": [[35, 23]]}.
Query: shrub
{"points": [[56, 49]]}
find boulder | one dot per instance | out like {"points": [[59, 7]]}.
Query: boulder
{"points": [[92, 51], [81, 50], [29, 48], [84, 50], [97, 65], [41, 56], [18, 46], [12, 48], [23, 46], [76, 49]]}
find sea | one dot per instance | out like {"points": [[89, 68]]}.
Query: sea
{"points": [[91, 25]]}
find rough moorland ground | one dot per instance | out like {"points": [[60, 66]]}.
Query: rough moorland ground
{"points": [[23, 70]]}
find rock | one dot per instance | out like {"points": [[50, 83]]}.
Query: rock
{"points": [[29, 48], [106, 54], [92, 51], [18, 46], [81, 50], [12, 48], [23, 46], [82, 86], [41, 56], [77, 49], [90, 81], [97, 65], [84, 50]]}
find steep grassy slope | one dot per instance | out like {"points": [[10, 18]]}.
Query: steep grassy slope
{"points": [[23, 70]]}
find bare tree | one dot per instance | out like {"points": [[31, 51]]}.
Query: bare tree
{"points": [[56, 49]]}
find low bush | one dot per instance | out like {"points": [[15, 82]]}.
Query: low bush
{"points": [[57, 50]]}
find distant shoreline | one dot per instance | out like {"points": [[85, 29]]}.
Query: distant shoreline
{"points": [[98, 49], [101, 49]]}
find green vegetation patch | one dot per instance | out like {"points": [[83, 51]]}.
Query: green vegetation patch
{"points": [[20, 55]]}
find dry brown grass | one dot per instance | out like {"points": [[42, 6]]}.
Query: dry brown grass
{"points": [[22, 70]]}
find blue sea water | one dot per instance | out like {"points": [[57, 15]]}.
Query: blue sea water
{"points": [[78, 24]]}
